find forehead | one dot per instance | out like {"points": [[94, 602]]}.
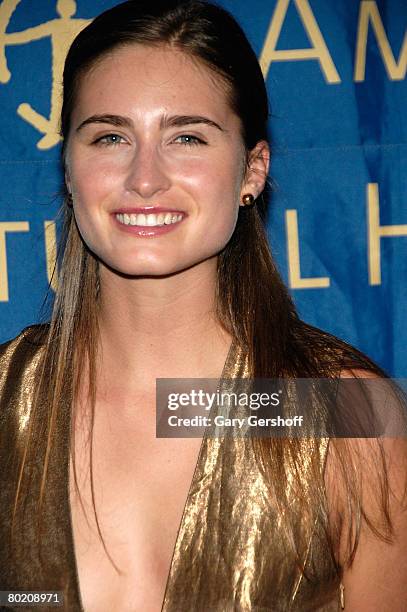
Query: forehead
{"points": [[145, 79]]}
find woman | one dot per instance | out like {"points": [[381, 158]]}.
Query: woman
{"points": [[165, 272]]}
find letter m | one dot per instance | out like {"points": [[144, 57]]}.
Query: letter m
{"points": [[369, 13]]}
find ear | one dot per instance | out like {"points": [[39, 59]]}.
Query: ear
{"points": [[257, 170]]}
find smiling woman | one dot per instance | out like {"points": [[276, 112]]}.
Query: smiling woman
{"points": [[165, 272], [173, 165]]}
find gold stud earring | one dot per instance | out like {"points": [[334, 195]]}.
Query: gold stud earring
{"points": [[248, 199]]}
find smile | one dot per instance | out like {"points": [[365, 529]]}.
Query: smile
{"points": [[151, 220]]}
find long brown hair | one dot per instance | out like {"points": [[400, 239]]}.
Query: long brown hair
{"points": [[253, 304]]}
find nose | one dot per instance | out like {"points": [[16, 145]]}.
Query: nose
{"points": [[147, 175]]}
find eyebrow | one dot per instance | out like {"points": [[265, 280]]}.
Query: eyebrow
{"points": [[182, 120], [172, 121]]}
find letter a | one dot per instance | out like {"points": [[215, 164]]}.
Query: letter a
{"points": [[319, 51]]}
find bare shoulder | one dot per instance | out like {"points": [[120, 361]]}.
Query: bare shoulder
{"points": [[366, 482]]}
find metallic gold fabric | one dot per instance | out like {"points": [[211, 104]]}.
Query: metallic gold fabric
{"points": [[33, 561], [231, 553]]}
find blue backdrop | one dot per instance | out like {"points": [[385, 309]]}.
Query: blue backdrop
{"points": [[335, 73]]}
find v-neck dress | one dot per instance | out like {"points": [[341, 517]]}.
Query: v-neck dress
{"points": [[231, 552]]}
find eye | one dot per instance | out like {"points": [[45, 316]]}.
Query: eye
{"points": [[110, 140], [188, 139]]}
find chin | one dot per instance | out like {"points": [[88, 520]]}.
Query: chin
{"points": [[152, 268]]}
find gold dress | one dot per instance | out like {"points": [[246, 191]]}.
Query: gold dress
{"points": [[230, 552]]}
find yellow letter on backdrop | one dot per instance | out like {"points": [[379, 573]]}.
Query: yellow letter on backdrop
{"points": [[395, 70], [375, 231], [7, 226], [319, 51], [293, 251]]}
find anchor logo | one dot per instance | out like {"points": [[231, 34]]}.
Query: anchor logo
{"points": [[61, 30]]}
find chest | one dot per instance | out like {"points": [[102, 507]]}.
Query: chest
{"points": [[140, 485]]}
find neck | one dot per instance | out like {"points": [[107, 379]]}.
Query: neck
{"points": [[161, 327]]}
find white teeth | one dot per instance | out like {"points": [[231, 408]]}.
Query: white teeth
{"points": [[150, 220]]}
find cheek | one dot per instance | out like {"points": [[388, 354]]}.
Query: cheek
{"points": [[92, 183], [92, 173], [212, 181], [92, 191], [88, 226], [224, 224], [215, 188], [87, 198], [219, 209]]}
